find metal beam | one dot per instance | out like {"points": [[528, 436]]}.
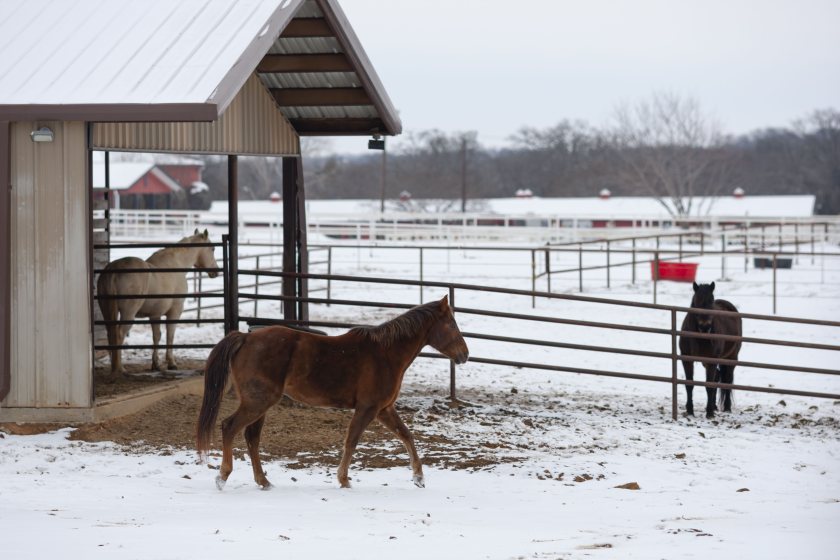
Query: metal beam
{"points": [[338, 127], [232, 312], [315, 97], [290, 185], [301, 242], [282, 63], [307, 27]]}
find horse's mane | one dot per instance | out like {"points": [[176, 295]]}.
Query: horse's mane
{"points": [[399, 328], [186, 241]]}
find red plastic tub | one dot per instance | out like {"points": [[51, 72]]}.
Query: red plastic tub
{"points": [[674, 271]]}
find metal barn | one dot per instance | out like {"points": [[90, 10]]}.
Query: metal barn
{"points": [[191, 77]]}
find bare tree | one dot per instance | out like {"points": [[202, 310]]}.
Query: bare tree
{"points": [[667, 147]]}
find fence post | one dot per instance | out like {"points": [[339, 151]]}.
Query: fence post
{"points": [[548, 268], [796, 239], [533, 278], [674, 364], [812, 243], [329, 273], [633, 281], [702, 242], [723, 255], [608, 264], [780, 236], [680, 237], [580, 267], [421, 275], [774, 283], [257, 289], [225, 284], [746, 248], [655, 274], [198, 304], [453, 398]]}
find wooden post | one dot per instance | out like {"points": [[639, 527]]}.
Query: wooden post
{"points": [[655, 274], [608, 264], [723, 255], [301, 243], [329, 274], [580, 267], [421, 275], [548, 268], [774, 283], [533, 278], [633, 281]]}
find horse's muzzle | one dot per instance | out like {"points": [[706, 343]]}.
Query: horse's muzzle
{"points": [[212, 274], [462, 358]]}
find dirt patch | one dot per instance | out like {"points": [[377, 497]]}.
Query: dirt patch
{"points": [[138, 376], [301, 435]]}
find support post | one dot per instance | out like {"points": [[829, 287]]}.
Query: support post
{"points": [[289, 289], [548, 268], [453, 397], [329, 275], [233, 241], [421, 275], [633, 280], [655, 274], [674, 364], [533, 278], [580, 267], [774, 283], [608, 264], [301, 243], [226, 282], [723, 255]]}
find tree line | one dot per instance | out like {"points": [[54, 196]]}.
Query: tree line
{"points": [[664, 146]]}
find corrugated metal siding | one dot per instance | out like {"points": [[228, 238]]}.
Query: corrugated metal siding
{"points": [[252, 125], [51, 357]]}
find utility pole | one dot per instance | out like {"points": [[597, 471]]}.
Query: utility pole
{"points": [[463, 174]]}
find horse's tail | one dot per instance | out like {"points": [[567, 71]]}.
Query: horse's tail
{"points": [[106, 285], [215, 378]]}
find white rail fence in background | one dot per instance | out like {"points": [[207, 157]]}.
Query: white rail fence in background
{"points": [[475, 228]]}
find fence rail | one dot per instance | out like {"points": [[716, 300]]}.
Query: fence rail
{"points": [[673, 333]]}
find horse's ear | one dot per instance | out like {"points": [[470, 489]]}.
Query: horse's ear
{"points": [[445, 301], [206, 234], [712, 285], [196, 231], [695, 286]]}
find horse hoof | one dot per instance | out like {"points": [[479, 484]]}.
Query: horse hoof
{"points": [[220, 482], [710, 415], [172, 366], [345, 483], [265, 485], [418, 481]]}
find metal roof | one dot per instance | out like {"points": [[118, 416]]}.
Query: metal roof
{"points": [[184, 60]]}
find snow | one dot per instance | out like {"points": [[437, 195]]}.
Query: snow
{"points": [[541, 430]]}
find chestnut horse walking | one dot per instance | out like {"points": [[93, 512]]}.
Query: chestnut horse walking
{"points": [[362, 369], [704, 298], [113, 283]]}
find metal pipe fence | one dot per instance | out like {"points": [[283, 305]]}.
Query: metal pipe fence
{"points": [[672, 333]]}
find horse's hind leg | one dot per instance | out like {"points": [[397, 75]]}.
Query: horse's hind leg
{"points": [[155, 322], [361, 418], [688, 367], [711, 392], [252, 438], [389, 418], [727, 375], [231, 426]]}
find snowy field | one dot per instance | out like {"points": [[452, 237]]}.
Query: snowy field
{"points": [[762, 482]]}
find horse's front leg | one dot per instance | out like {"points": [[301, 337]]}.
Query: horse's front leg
{"points": [[711, 392], [155, 321], [174, 314], [688, 367], [361, 418], [389, 418]]}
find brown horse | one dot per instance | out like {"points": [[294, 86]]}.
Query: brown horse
{"points": [[704, 298], [111, 282], [362, 369]]}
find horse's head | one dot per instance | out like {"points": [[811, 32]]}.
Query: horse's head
{"points": [[205, 257], [704, 298], [445, 336]]}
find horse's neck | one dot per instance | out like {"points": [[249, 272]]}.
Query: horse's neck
{"points": [[173, 257]]}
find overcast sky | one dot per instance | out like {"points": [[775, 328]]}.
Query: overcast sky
{"points": [[494, 66]]}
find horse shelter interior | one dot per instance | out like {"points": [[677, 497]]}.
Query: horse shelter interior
{"points": [[208, 78]]}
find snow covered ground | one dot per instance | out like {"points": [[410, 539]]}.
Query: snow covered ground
{"points": [[762, 482]]}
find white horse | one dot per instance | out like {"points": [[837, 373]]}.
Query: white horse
{"points": [[150, 283]]}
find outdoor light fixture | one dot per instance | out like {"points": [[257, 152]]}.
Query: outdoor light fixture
{"points": [[376, 143], [43, 134]]}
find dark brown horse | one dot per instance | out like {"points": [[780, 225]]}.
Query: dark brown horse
{"points": [[362, 369], [704, 298]]}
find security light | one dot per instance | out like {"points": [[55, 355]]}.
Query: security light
{"points": [[43, 134]]}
